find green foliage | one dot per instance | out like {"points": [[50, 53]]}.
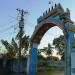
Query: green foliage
{"points": [[41, 58], [59, 44], [74, 43], [12, 48], [25, 43], [49, 50], [25, 40]]}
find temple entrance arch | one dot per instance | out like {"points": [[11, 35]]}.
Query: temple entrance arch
{"points": [[49, 36], [54, 17], [44, 27]]}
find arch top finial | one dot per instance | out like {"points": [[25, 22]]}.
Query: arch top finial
{"points": [[55, 5], [49, 10], [67, 10], [52, 7], [46, 11], [59, 4]]}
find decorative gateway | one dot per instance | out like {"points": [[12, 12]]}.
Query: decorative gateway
{"points": [[54, 17]]}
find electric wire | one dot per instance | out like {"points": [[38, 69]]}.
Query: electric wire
{"points": [[7, 29], [9, 33]]}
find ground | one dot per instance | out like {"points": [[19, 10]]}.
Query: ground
{"points": [[51, 73]]}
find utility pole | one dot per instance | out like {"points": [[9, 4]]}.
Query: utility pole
{"points": [[21, 27]]}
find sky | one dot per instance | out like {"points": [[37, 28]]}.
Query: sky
{"points": [[9, 22]]}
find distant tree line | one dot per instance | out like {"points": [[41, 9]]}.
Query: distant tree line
{"points": [[13, 47]]}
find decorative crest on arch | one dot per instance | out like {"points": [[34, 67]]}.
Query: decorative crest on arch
{"points": [[56, 16], [53, 12]]}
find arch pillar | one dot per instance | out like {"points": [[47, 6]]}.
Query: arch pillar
{"points": [[68, 52], [70, 40], [33, 59]]}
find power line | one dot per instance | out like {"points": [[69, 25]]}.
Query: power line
{"points": [[8, 36], [13, 17], [3, 25], [7, 29]]}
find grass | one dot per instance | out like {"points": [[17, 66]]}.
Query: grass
{"points": [[50, 73]]}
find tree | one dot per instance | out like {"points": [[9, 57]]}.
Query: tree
{"points": [[49, 50], [59, 44], [25, 43], [74, 43], [14, 45], [11, 48]]}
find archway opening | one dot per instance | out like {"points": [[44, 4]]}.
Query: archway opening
{"points": [[46, 57]]}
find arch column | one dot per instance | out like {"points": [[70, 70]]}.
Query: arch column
{"points": [[33, 59], [69, 45], [68, 54]]}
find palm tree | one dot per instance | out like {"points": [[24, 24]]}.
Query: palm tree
{"points": [[11, 48]]}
